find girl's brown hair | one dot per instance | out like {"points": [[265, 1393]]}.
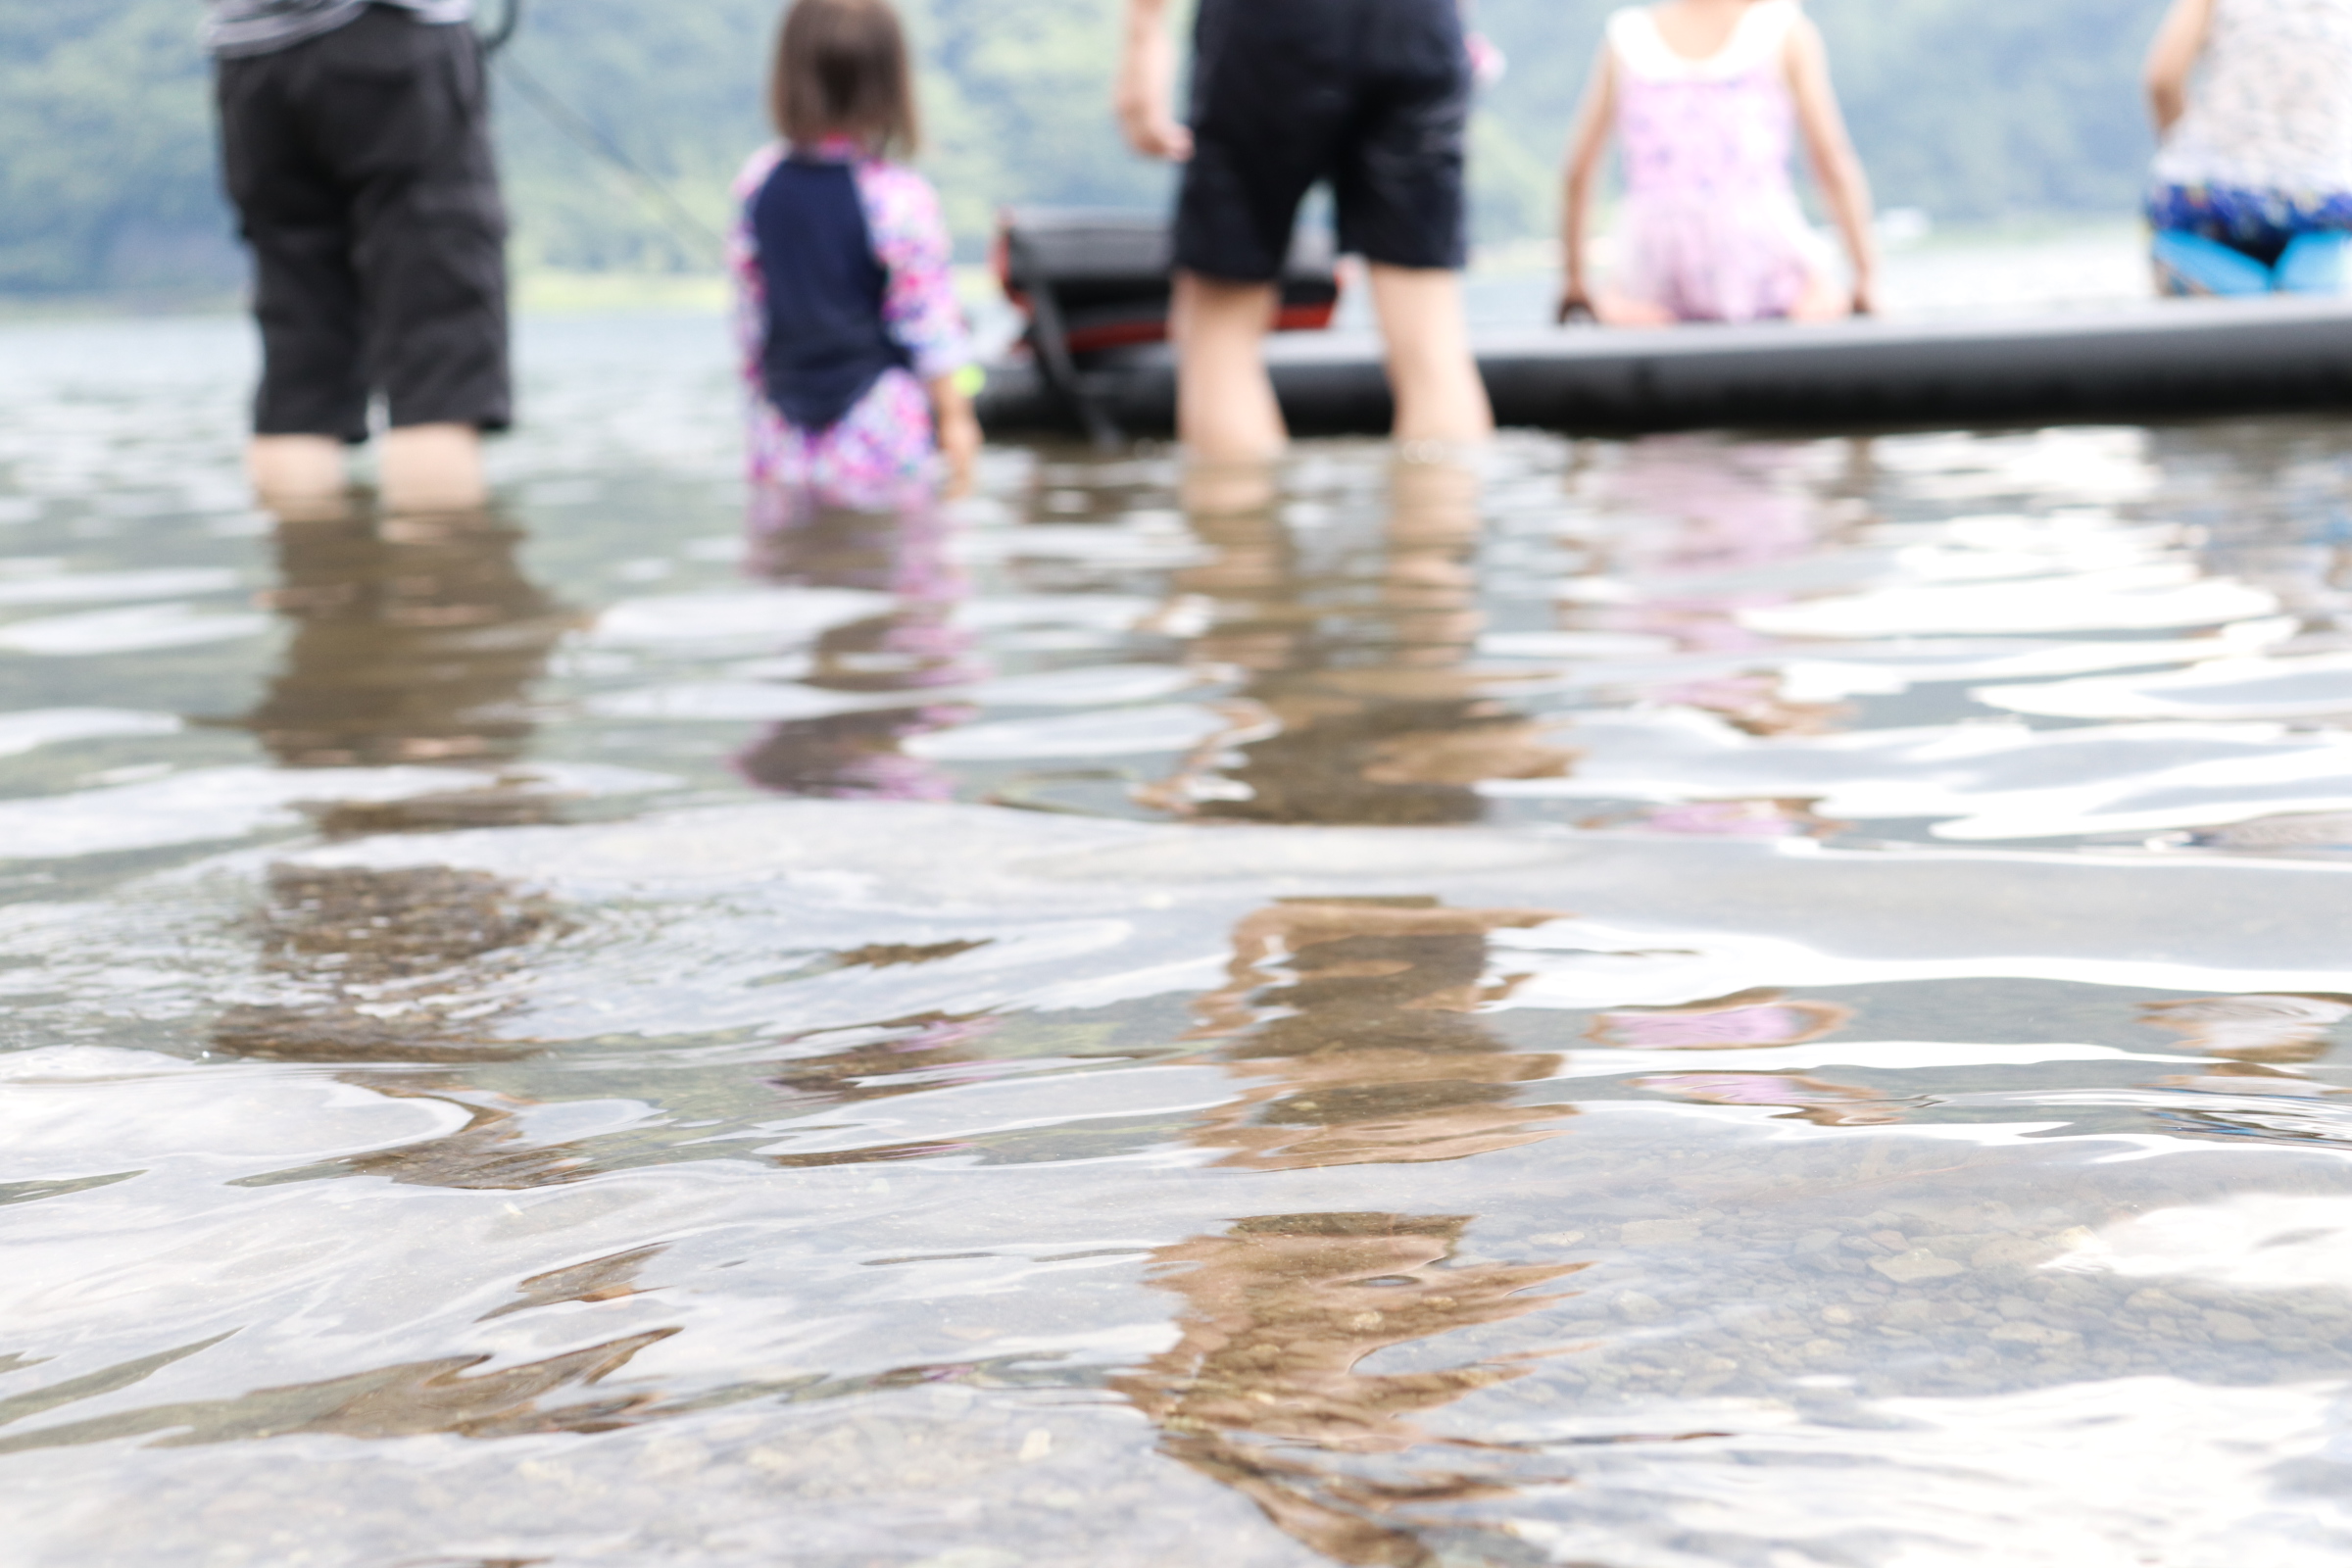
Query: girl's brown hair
{"points": [[841, 70]]}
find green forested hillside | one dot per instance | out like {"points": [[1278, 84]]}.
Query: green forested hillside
{"points": [[105, 146], [106, 155]]}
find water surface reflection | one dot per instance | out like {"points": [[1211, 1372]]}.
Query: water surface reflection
{"points": [[1360, 649], [415, 639], [890, 660], [1263, 1392], [1749, 1002], [1351, 1026]]}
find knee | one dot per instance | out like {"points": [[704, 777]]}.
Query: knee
{"points": [[1218, 305]]}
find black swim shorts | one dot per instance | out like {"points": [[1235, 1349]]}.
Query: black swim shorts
{"points": [[360, 166], [1372, 95]]}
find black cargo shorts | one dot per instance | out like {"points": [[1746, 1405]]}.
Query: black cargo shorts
{"points": [[1372, 95], [360, 166]]}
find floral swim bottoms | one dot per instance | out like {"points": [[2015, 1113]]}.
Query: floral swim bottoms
{"points": [[2259, 223]]}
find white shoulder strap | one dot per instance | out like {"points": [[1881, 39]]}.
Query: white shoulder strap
{"points": [[1639, 46], [1769, 22], [1759, 40]]}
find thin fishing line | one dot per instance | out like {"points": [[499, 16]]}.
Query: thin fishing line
{"points": [[584, 133], [498, 38]]}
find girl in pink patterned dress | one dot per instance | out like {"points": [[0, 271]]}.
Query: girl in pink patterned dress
{"points": [[1705, 97], [853, 343]]}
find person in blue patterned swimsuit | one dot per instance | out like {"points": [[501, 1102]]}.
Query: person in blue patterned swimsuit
{"points": [[2252, 189]]}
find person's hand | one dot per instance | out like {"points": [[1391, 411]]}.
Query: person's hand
{"points": [[1154, 132], [1866, 297], [959, 449], [1147, 93]]}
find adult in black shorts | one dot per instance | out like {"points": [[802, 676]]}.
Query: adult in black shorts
{"points": [[355, 141], [1370, 95]]}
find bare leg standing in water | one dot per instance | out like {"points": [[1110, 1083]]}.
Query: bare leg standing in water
{"points": [[424, 467]]}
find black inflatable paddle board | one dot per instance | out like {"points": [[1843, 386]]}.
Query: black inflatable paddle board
{"points": [[2158, 359]]}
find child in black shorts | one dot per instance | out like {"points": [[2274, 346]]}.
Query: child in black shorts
{"points": [[355, 142], [1372, 96]]}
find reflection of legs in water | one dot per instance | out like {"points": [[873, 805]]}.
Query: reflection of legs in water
{"points": [[415, 640], [1371, 766], [914, 646], [1691, 516], [1217, 490], [1744, 1020], [404, 965], [2255, 1031], [906, 553], [1361, 663], [374, 961], [1429, 584], [1702, 505], [918, 643], [1815, 1099], [1262, 1393], [851, 756], [1352, 1022]]}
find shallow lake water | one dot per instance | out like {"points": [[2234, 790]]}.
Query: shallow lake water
{"points": [[1683, 1001]]}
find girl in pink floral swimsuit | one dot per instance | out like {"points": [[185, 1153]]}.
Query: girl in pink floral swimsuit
{"points": [[1705, 97], [853, 343]]}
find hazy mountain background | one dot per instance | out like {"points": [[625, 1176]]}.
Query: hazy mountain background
{"points": [[1973, 113]]}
